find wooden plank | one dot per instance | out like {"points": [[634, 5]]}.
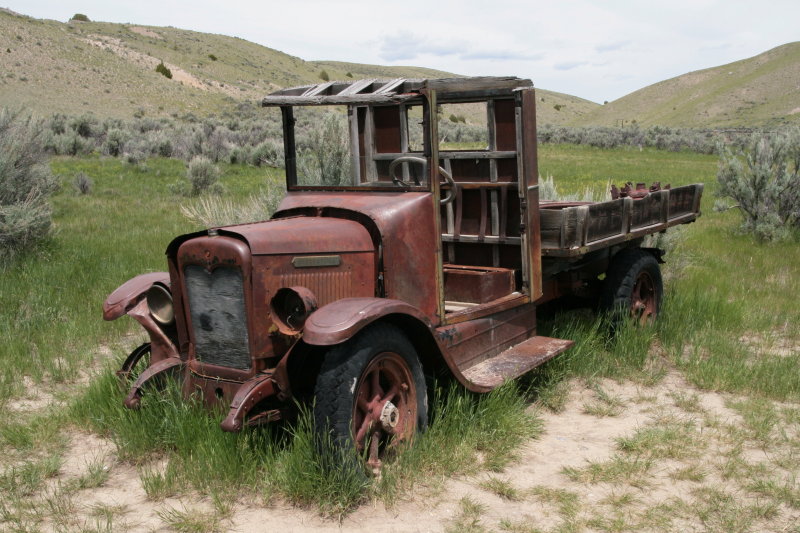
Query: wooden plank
{"points": [[317, 89], [355, 163], [449, 154], [390, 86], [271, 101], [477, 83], [369, 146], [355, 87], [404, 139], [448, 237]]}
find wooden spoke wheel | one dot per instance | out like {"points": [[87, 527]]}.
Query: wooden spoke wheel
{"points": [[385, 407], [644, 301], [370, 394], [633, 287]]}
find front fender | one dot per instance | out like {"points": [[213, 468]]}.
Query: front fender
{"points": [[129, 293], [340, 320]]}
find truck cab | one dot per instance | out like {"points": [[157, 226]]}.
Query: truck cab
{"points": [[396, 253]]}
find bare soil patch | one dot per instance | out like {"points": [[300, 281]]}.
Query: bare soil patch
{"points": [[557, 482]]}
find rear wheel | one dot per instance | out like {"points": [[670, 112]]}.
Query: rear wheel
{"points": [[370, 394], [633, 286]]}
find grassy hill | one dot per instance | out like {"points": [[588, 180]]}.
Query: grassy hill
{"points": [[759, 91], [109, 70]]}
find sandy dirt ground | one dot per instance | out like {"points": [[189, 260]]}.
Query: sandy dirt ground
{"points": [[572, 438]]}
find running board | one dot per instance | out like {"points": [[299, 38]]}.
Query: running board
{"points": [[515, 361]]}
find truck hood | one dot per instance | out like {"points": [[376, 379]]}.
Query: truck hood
{"points": [[294, 235]]}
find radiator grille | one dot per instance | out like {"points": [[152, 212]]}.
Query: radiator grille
{"points": [[328, 286], [219, 321]]}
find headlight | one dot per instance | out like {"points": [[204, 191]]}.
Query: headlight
{"points": [[290, 307], [159, 302]]}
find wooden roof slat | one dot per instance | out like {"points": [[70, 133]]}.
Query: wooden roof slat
{"points": [[396, 90]]}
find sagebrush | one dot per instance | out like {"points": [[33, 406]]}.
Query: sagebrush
{"points": [[25, 183], [763, 181]]}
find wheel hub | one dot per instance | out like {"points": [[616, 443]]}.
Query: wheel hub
{"points": [[389, 416]]}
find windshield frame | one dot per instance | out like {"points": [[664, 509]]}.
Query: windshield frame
{"points": [[362, 132]]}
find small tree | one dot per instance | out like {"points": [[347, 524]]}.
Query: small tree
{"points": [[323, 75], [763, 180], [80, 17], [162, 69]]}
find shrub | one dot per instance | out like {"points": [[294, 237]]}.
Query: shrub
{"points": [[203, 176], [323, 75], [80, 17], [212, 57], [70, 143], [25, 183], [114, 143], [325, 156], [82, 183], [268, 153], [349, 75], [162, 69], [763, 180]]}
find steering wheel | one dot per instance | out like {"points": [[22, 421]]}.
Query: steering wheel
{"points": [[451, 194]]}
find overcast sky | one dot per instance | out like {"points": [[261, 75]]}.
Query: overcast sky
{"points": [[596, 50]]}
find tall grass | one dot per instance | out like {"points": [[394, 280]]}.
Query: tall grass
{"points": [[287, 460]]}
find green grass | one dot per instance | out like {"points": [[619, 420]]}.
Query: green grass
{"points": [[729, 309]]}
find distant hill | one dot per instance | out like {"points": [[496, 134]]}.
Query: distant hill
{"points": [[109, 70], [760, 91]]}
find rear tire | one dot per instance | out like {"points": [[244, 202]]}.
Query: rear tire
{"points": [[633, 287], [370, 394]]}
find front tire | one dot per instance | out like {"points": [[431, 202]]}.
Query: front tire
{"points": [[633, 287], [370, 394]]}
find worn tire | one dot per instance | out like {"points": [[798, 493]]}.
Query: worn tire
{"points": [[342, 380], [633, 287]]}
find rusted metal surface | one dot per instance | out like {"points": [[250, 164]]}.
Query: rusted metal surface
{"points": [[248, 396], [340, 320], [640, 190], [129, 293], [408, 260], [515, 361], [161, 346], [385, 407], [152, 373]]}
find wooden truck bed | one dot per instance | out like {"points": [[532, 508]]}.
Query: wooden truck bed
{"points": [[571, 229]]}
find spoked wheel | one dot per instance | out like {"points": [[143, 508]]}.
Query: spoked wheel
{"points": [[644, 303], [370, 395], [385, 410], [633, 287], [138, 360]]}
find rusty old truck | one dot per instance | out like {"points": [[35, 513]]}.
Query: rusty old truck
{"points": [[414, 256]]}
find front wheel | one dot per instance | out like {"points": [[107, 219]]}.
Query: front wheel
{"points": [[370, 394], [633, 286]]}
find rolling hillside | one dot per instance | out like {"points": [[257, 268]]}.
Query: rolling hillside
{"points": [[109, 70], [760, 91]]}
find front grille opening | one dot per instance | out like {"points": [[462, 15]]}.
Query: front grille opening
{"points": [[218, 318]]}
